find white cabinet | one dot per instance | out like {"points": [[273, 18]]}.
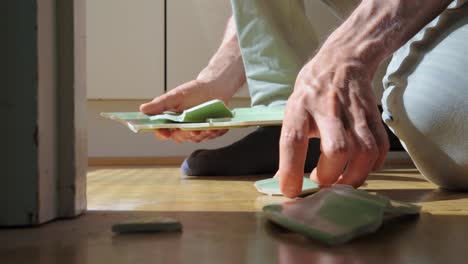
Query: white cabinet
{"points": [[125, 43], [125, 49], [195, 29]]}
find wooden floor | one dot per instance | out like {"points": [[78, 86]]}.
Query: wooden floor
{"points": [[223, 224]]}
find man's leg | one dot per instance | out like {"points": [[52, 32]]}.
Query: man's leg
{"points": [[426, 99], [257, 153], [275, 39]]}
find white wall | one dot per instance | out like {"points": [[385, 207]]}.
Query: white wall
{"points": [[125, 48], [195, 29]]}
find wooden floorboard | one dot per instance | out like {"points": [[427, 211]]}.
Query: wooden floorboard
{"points": [[166, 189], [222, 223]]}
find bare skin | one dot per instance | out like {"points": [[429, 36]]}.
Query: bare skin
{"points": [[333, 99], [223, 76]]}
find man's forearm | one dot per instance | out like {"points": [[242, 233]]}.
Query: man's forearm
{"points": [[226, 66], [379, 27]]}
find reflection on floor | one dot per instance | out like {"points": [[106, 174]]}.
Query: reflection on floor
{"points": [[223, 224], [166, 189]]}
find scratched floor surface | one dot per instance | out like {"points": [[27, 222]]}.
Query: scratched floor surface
{"points": [[223, 224]]}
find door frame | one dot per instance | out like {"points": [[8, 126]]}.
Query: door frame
{"points": [[44, 141]]}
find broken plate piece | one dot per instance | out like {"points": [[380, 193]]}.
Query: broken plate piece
{"points": [[200, 113], [271, 186], [210, 115], [148, 224], [337, 214]]}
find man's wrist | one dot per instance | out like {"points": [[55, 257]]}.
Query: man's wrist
{"points": [[366, 35], [377, 28]]}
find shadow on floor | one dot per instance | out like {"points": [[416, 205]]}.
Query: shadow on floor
{"points": [[251, 178], [395, 177], [420, 195]]}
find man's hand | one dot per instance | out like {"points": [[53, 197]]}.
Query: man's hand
{"points": [[333, 99], [183, 97]]}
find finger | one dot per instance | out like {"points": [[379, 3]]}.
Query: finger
{"points": [[206, 136], [196, 136], [364, 155], [182, 97], [177, 100], [334, 146], [162, 134], [377, 128], [293, 149], [157, 135], [217, 132], [195, 133], [383, 145], [169, 101], [210, 134], [195, 140], [199, 138], [177, 137], [184, 135]]}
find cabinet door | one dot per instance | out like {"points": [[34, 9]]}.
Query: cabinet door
{"points": [[195, 30], [125, 49]]}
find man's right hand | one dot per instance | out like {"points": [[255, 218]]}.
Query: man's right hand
{"points": [[183, 97], [220, 79]]}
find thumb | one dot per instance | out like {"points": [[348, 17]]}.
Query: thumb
{"points": [[165, 102], [184, 96]]}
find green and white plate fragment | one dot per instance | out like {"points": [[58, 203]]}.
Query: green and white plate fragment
{"points": [[271, 186], [210, 115], [148, 224], [337, 214]]}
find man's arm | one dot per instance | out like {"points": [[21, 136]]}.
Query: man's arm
{"points": [[333, 98], [379, 27], [220, 79], [226, 68]]}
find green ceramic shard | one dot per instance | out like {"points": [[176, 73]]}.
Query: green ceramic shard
{"points": [[336, 214], [397, 208], [200, 113], [271, 186], [220, 119], [149, 224]]}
